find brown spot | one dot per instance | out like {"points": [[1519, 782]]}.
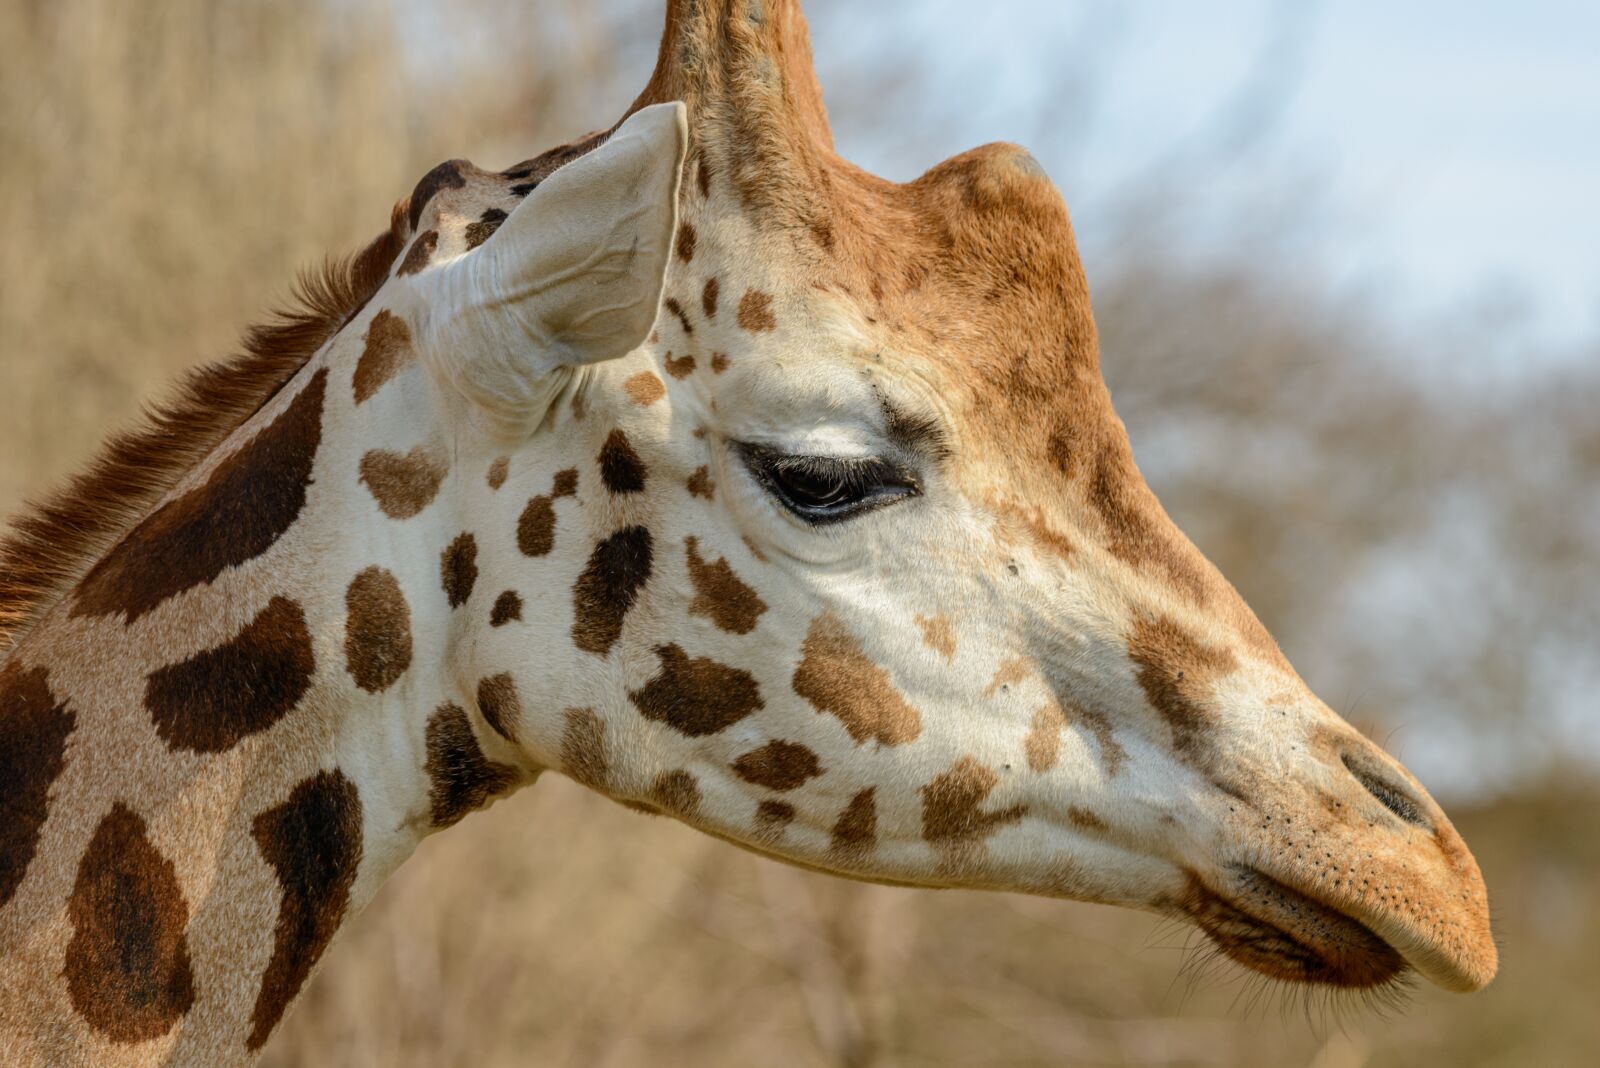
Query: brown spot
{"points": [[696, 697], [617, 570], [836, 676], [580, 404], [855, 833], [420, 252], [507, 607], [682, 367], [708, 297], [127, 965], [671, 305], [458, 569], [702, 177], [565, 484], [719, 594], [583, 748], [498, 471], [644, 389], [1043, 744], [460, 778], [33, 747], [676, 792], [620, 467], [719, 362], [951, 805], [484, 228], [1140, 532], [778, 765], [244, 506], [500, 705], [754, 549], [938, 634], [446, 175], [1176, 672], [772, 816], [686, 240], [377, 634], [313, 843], [1009, 673], [403, 485], [1085, 820], [217, 698], [755, 312], [388, 349], [536, 527], [700, 483]]}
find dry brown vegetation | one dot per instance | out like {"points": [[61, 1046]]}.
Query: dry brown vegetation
{"points": [[1424, 546]]}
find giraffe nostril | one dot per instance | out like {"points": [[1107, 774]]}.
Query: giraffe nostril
{"points": [[1392, 795]]}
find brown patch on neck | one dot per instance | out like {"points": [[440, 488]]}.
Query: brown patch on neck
{"points": [[677, 792], [583, 748], [772, 818], [50, 547], [696, 696], [388, 349], [755, 312], [34, 728], [377, 632], [855, 832], [719, 594], [217, 698], [938, 634], [536, 527], [403, 484], [681, 367], [620, 467], [127, 966], [701, 485], [239, 512], [617, 570], [507, 608], [644, 389], [952, 811], [458, 569], [500, 705], [313, 843], [708, 297], [778, 765], [460, 778], [836, 676], [1009, 673], [420, 253], [1177, 672]]}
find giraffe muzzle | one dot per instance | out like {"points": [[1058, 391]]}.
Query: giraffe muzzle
{"points": [[1349, 878]]}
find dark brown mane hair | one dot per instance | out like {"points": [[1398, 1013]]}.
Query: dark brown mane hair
{"points": [[52, 543]]}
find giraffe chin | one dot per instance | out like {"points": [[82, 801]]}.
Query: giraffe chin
{"points": [[1281, 933]]}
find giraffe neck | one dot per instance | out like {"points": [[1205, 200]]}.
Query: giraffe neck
{"points": [[236, 757]]}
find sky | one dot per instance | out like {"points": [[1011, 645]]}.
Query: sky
{"points": [[1452, 150]]}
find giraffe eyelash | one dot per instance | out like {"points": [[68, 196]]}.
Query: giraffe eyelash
{"points": [[828, 489]]}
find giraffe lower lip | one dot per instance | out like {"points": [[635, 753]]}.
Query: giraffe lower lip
{"points": [[1278, 931]]}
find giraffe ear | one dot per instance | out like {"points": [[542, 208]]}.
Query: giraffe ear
{"points": [[575, 273]]}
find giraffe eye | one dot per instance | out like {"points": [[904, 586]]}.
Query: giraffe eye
{"points": [[827, 489]]}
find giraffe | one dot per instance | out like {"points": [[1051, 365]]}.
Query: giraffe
{"points": [[691, 462]]}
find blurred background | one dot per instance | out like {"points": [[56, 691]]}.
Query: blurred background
{"points": [[1346, 265]]}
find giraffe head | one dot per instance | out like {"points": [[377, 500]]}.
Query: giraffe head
{"points": [[798, 510]]}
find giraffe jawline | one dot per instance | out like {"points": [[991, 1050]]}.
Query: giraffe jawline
{"points": [[1280, 932]]}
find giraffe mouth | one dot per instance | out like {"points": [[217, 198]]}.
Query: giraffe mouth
{"points": [[1282, 933]]}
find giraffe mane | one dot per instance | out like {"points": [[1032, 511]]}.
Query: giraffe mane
{"points": [[52, 542]]}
